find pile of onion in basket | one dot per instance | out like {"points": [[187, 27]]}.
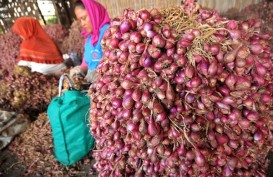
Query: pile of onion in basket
{"points": [[183, 92]]}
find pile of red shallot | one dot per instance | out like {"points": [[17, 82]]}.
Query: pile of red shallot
{"points": [[10, 48], [57, 33], [27, 92], [183, 92], [262, 11], [74, 41]]}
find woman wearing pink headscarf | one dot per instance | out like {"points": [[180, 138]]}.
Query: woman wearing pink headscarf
{"points": [[94, 20]]}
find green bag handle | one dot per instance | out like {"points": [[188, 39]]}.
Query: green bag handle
{"points": [[61, 80]]}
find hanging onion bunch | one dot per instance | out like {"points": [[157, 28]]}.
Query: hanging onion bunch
{"points": [[182, 92]]}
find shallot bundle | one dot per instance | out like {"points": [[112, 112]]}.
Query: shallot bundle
{"points": [[183, 92], [74, 41], [57, 33]]}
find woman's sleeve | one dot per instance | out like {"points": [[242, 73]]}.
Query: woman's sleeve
{"points": [[83, 65]]}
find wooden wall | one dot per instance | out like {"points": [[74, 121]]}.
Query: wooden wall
{"points": [[11, 9], [115, 7], [224, 5]]}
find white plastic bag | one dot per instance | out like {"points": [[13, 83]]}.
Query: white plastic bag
{"points": [[11, 124], [91, 76]]}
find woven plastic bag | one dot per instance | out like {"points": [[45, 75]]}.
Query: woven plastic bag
{"points": [[68, 114]]}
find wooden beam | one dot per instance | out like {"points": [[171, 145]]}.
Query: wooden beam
{"points": [[56, 10], [40, 12], [64, 4], [2, 28]]}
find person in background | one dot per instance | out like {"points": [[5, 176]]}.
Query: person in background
{"points": [[37, 50], [94, 20]]}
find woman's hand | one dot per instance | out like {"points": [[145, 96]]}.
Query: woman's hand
{"points": [[76, 71], [91, 76]]}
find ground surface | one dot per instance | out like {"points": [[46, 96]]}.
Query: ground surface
{"points": [[10, 166]]}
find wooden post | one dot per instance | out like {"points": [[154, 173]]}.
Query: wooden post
{"points": [[64, 4], [2, 28], [3, 3], [56, 11], [40, 12], [71, 10]]}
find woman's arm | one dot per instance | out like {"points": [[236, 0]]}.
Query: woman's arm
{"points": [[79, 70], [83, 67]]}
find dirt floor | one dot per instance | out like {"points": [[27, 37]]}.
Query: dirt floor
{"points": [[30, 154], [270, 168], [10, 166]]}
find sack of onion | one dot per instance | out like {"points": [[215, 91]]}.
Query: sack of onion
{"points": [[183, 92]]}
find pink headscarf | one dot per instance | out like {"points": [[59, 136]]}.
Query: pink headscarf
{"points": [[98, 16]]}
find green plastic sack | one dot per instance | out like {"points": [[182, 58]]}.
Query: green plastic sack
{"points": [[68, 115]]}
